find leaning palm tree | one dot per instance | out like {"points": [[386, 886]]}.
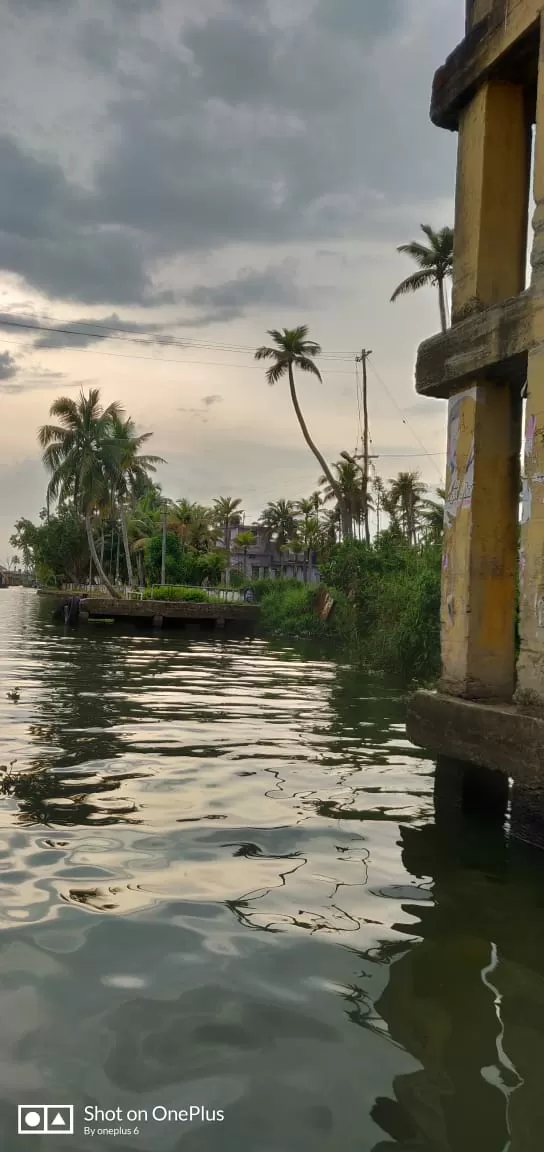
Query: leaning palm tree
{"points": [[77, 454], [293, 349], [435, 264]]}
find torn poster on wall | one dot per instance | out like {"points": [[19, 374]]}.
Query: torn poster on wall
{"points": [[458, 488]]}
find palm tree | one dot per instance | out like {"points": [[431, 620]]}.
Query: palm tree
{"points": [[131, 473], [292, 348], [404, 496], [279, 523], [435, 264], [350, 481], [77, 454], [243, 541], [229, 514], [381, 499], [306, 540], [432, 514]]}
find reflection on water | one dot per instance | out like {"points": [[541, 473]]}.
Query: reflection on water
{"points": [[218, 856]]}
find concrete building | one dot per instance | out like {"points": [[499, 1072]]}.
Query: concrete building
{"points": [[490, 710], [265, 561]]}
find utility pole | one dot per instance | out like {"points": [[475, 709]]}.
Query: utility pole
{"points": [[163, 550], [362, 359]]}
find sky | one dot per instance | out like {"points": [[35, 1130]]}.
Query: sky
{"points": [[191, 173]]}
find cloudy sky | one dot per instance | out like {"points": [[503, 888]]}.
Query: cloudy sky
{"points": [[191, 173]]}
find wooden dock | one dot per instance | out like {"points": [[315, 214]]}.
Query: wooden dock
{"points": [[179, 613]]}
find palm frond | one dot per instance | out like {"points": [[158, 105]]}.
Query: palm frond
{"points": [[412, 284], [307, 365]]}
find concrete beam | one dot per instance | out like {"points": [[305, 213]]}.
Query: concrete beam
{"points": [[496, 736], [501, 45], [491, 344]]}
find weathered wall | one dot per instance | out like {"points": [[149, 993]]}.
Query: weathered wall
{"points": [[482, 482]]}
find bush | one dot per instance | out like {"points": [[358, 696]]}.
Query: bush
{"points": [[196, 595], [289, 608], [387, 605]]}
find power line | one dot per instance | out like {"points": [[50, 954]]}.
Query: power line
{"points": [[405, 421], [174, 360], [106, 332]]}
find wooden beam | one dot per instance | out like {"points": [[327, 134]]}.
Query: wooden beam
{"points": [[491, 345]]}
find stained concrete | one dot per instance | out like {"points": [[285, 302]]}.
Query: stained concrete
{"points": [[480, 748]]}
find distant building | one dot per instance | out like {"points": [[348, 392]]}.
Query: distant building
{"points": [[265, 561]]}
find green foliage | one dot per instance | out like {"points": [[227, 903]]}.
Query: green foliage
{"points": [[195, 595], [387, 605], [395, 591], [183, 565], [56, 549], [289, 609]]}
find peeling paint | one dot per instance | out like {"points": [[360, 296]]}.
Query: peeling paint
{"points": [[530, 437], [526, 503]]}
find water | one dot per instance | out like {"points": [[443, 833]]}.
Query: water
{"points": [[222, 885]]}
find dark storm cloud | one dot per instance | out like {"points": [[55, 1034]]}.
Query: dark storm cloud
{"points": [[8, 366], [81, 333], [249, 289], [223, 130], [49, 237]]}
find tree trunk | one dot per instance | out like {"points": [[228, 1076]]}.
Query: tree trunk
{"points": [[139, 566], [126, 547], [117, 557], [442, 303], [95, 559], [346, 525]]}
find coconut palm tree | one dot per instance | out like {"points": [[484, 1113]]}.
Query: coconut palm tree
{"points": [[350, 481], [293, 349], [432, 515], [404, 497], [279, 523], [435, 264], [78, 455], [228, 513], [243, 541], [306, 541], [131, 473]]}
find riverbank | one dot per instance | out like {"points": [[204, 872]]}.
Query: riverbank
{"points": [[386, 614]]}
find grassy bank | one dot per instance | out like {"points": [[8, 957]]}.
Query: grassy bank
{"points": [[387, 606]]}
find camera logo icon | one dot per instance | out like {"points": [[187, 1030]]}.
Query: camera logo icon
{"points": [[45, 1120]]}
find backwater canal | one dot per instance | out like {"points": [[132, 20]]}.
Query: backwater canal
{"points": [[222, 886]]}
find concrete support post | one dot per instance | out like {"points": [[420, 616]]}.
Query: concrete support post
{"points": [[530, 689], [482, 483]]}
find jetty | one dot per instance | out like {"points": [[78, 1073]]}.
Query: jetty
{"points": [[174, 613]]}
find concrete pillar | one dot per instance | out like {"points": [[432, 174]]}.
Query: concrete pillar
{"points": [[482, 483], [530, 690]]}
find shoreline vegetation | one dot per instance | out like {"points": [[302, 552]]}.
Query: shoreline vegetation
{"points": [[107, 523]]}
